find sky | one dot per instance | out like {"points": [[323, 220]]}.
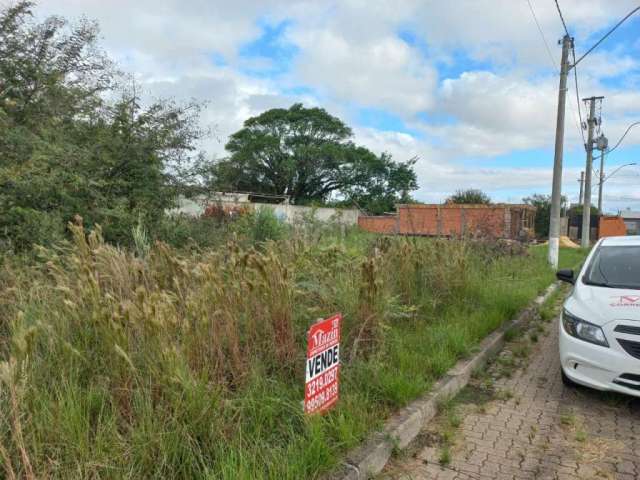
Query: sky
{"points": [[467, 86]]}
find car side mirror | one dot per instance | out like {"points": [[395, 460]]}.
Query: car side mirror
{"points": [[566, 275]]}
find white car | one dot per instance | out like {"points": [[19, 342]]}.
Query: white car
{"points": [[600, 322]]}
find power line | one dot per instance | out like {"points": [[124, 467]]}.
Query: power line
{"points": [[544, 39], [562, 19], [622, 138], [553, 62], [575, 76], [605, 36]]}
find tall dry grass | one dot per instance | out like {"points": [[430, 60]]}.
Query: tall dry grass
{"points": [[182, 364]]}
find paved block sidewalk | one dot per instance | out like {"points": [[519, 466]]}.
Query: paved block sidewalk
{"points": [[542, 431]]}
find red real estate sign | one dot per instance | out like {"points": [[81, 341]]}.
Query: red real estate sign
{"points": [[323, 365]]}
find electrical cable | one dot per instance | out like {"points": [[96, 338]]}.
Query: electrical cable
{"points": [[562, 19], [575, 76], [619, 141], [605, 36], [544, 39], [553, 62], [622, 137]]}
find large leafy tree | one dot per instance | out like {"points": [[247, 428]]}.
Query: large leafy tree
{"points": [[308, 154], [64, 150]]}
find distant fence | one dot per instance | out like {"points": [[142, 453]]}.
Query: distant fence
{"points": [[611, 227], [499, 221], [386, 224], [284, 211]]}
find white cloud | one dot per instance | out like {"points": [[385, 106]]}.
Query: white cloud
{"points": [[350, 53], [364, 63]]}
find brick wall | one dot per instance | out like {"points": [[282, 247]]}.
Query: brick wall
{"points": [[451, 220], [497, 221], [418, 219], [385, 224], [611, 227], [489, 222]]}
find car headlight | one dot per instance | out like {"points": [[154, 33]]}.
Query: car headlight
{"points": [[578, 328]]}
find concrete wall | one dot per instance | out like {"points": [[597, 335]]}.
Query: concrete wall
{"points": [[286, 212], [297, 213]]}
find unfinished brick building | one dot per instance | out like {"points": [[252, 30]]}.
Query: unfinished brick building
{"points": [[498, 220]]}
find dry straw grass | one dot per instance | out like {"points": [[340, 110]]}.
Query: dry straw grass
{"points": [[167, 363]]}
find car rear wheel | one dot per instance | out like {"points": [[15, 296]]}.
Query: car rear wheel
{"points": [[566, 381]]}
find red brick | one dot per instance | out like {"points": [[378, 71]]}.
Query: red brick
{"points": [[385, 224]]}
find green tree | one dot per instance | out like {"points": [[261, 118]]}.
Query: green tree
{"points": [[543, 212], [308, 154], [469, 196], [64, 150]]}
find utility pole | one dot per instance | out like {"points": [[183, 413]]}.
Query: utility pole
{"points": [[581, 186], [603, 144], [586, 203], [601, 182], [556, 191]]}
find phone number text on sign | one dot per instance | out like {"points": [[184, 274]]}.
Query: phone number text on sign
{"points": [[322, 365]]}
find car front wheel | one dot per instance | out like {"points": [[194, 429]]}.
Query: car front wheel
{"points": [[566, 381]]}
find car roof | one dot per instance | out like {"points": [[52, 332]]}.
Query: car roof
{"points": [[630, 240]]}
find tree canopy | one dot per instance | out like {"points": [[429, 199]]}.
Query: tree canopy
{"points": [[64, 149], [543, 212], [469, 196], [308, 154]]}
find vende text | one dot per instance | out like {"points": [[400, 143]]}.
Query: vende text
{"points": [[322, 361]]}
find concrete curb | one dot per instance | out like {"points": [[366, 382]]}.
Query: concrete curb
{"points": [[370, 458]]}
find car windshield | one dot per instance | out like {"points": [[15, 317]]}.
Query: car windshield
{"points": [[615, 267]]}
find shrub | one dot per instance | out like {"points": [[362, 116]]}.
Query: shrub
{"points": [[22, 228], [261, 225]]}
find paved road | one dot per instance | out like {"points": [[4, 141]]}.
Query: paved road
{"points": [[545, 431]]}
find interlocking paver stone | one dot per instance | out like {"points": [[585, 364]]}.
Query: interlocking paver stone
{"points": [[545, 430]]}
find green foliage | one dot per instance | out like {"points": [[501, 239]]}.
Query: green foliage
{"points": [[253, 228], [22, 227], [577, 210], [184, 231], [543, 212], [188, 364], [64, 150], [469, 196], [308, 154], [266, 226]]}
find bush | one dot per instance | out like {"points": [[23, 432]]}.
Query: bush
{"points": [[183, 231], [261, 225], [22, 228]]}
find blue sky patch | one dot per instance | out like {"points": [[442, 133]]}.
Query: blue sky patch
{"points": [[270, 54], [382, 120]]}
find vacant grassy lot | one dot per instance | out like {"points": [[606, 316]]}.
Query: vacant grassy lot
{"points": [[190, 364]]}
